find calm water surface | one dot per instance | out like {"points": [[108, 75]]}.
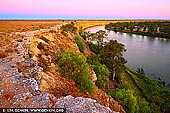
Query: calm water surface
{"points": [[150, 53]]}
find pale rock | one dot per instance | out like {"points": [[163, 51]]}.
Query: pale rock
{"points": [[93, 76], [50, 37]]}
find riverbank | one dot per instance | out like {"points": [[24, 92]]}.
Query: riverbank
{"points": [[143, 93], [147, 34], [151, 29]]}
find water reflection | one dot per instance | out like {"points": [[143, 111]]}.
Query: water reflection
{"points": [[150, 53]]}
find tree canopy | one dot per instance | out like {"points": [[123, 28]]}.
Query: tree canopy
{"points": [[112, 55]]}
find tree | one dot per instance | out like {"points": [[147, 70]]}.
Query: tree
{"points": [[99, 36], [113, 58]]}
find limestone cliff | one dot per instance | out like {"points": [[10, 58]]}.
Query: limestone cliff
{"points": [[28, 78]]}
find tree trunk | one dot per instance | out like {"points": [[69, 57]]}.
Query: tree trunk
{"points": [[113, 73], [113, 76]]}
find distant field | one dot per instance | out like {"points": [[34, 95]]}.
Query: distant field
{"points": [[8, 26], [25, 25]]}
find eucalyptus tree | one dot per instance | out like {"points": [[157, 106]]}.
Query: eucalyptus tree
{"points": [[98, 37], [112, 55]]}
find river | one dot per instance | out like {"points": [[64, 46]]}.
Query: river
{"points": [[150, 53]]}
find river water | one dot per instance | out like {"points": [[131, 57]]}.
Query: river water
{"points": [[150, 53]]}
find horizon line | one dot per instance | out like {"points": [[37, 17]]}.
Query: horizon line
{"points": [[83, 19]]}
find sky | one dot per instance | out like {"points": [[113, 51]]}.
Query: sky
{"points": [[84, 9]]}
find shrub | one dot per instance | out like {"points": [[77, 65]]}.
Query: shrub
{"points": [[68, 28], [101, 70], [74, 67], [79, 43], [93, 47], [126, 98], [101, 80], [86, 85], [93, 59]]}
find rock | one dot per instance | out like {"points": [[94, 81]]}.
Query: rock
{"points": [[50, 37], [93, 76], [81, 105], [20, 79], [33, 48]]}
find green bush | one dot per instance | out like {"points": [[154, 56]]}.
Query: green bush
{"points": [[86, 85], [102, 75], [101, 80], [79, 43], [68, 28], [101, 71], [93, 59], [126, 98], [93, 47], [74, 67]]}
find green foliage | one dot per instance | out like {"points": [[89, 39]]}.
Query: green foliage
{"points": [[102, 74], [112, 56], [165, 29], [79, 43], [68, 28], [98, 36], [126, 98], [93, 47], [150, 94], [101, 70], [74, 66], [101, 79], [82, 33], [140, 28], [86, 85], [143, 106], [94, 59]]}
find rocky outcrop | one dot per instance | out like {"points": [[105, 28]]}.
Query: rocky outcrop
{"points": [[20, 79], [81, 105]]}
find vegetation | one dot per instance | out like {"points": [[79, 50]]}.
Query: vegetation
{"points": [[157, 29], [93, 47], [148, 94], [101, 70], [82, 33], [135, 92], [74, 67], [98, 36], [126, 98], [79, 43], [68, 28], [113, 58]]}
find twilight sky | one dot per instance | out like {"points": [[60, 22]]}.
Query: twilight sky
{"points": [[84, 9]]}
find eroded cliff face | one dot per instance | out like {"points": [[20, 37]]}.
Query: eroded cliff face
{"points": [[28, 77]]}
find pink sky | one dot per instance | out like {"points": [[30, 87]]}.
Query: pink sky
{"points": [[85, 8]]}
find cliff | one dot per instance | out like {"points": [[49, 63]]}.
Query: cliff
{"points": [[29, 79]]}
